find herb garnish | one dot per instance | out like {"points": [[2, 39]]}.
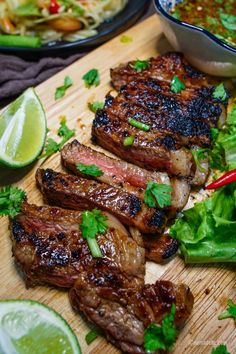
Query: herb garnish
{"points": [[93, 334], [126, 39], [91, 170], [228, 21], [157, 194], [176, 85], [142, 126], [91, 78], [93, 223], [52, 146], [94, 106], [61, 90], [140, 65], [11, 199], [129, 140], [221, 349], [229, 312], [161, 336], [220, 92]]}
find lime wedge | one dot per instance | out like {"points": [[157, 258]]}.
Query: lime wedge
{"points": [[28, 327], [22, 130]]}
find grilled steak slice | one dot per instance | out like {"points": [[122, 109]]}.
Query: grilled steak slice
{"points": [[164, 67], [124, 313], [49, 248], [78, 193], [121, 174]]}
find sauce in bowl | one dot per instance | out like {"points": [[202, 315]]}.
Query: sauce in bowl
{"points": [[215, 16]]}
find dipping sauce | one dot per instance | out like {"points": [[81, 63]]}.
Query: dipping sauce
{"points": [[216, 16]]}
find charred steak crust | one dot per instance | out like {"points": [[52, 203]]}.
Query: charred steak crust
{"points": [[178, 121], [77, 193], [125, 313], [49, 248]]}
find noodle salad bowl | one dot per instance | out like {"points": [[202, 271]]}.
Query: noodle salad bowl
{"points": [[109, 28], [201, 48]]}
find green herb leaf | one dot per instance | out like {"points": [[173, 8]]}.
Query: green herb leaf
{"points": [[142, 126], [126, 39], [11, 199], [176, 85], [91, 78], [229, 312], [220, 93], [91, 170], [161, 336], [60, 91], [176, 14], [94, 106], [52, 146], [221, 349], [200, 155], [93, 223], [140, 65], [228, 21], [157, 194]]}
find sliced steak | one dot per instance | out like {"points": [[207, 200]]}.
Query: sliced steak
{"points": [[49, 248], [162, 68], [124, 313], [121, 174], [72, 192]]}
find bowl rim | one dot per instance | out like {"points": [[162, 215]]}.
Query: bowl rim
{"points": [[195, 28]]}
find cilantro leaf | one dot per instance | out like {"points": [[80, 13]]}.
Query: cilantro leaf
{"points": [[61, 90], [228, 21], [157, 194], [91, 78], [10, 200], [94, 106], [229, 312], [126, 39], [140, 65], [91, 170], [52, 146], [93, 223], [221, 349], [176, 85], [161, 336], [220, 93]]}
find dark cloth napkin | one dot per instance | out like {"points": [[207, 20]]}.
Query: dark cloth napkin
{"points": [[17, 74]]}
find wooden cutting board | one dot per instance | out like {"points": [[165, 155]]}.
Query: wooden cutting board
{"points": [[211, 284]]}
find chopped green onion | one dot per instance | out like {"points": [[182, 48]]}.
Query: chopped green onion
{"points": [[94, 247], [20, 41], [142, 126], [128, 141]]}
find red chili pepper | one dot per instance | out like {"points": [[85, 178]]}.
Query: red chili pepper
{"points": [[54, 7], [227, 178]]}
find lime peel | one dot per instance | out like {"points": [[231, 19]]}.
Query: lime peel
{"points": [[22, 130]]}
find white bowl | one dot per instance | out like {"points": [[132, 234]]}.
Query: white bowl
{"points": [[201, 48]]}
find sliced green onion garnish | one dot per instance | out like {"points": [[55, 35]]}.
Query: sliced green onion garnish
{"points": [[94, 247], [142, 126], [19, 41], [128, 141]]}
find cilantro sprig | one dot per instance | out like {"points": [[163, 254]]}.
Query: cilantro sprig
{"points": [[11, 199], [140, 65], [157, 194], [91, 78], [91, 170], [221, 349], [61, 90], [94, 106], [162, 336], [52, 146], [93, 223], [230, 312], [220, 93], [176, 85]]}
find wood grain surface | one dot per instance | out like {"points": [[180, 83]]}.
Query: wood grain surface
{"points": [[211, 284]]}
